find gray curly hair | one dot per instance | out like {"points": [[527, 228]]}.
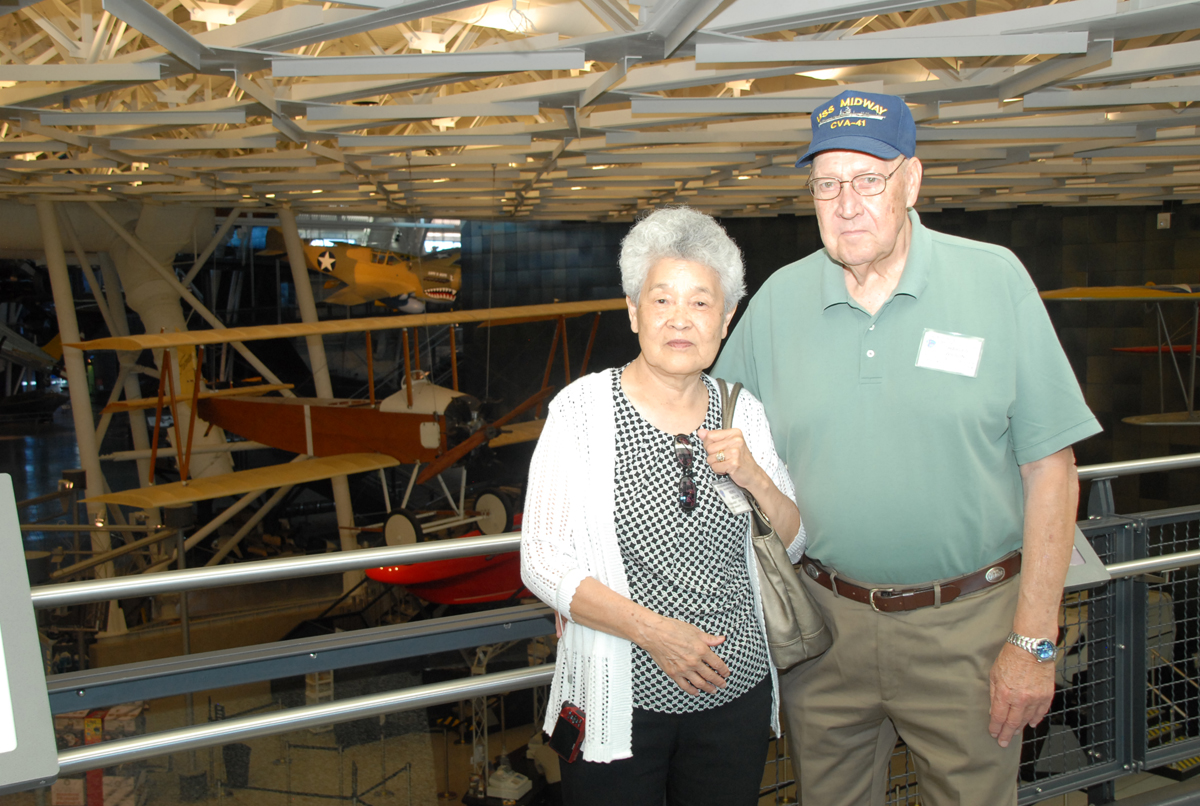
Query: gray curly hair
{"points": [[683, 234]]}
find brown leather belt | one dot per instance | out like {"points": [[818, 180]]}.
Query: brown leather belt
{"points": [[898, 598]]}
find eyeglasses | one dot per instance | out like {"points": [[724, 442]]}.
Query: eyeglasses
{"points": [[825, 188], [687, 484]]}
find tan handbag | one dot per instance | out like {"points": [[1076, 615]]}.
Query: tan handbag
{"points": [[796, 630]]}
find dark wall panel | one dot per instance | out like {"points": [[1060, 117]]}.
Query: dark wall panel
{"points": [[538, 261]]}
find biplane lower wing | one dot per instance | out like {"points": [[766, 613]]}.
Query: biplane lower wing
{"points": [[1152, 350], [247, 481], [152, 402], [516, 433], [1169, 418], [1124, 293]]}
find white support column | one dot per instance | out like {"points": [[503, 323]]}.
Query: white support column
{"points": [[77, 387], [320, 369], [186, 295]]}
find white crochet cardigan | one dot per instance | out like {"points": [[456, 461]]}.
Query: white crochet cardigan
{"points": [[568, 534]]}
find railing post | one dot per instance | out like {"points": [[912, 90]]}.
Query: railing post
{"points": [[1129, 640], [181, 519], [1100, 498], [77, 479]]}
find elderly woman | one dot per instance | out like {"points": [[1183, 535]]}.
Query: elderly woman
{"points": [[626, 537]]}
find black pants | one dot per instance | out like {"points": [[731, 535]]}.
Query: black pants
{"points": [[707, 758]]}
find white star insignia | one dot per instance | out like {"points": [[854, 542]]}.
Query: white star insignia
{"points": [[325, 261]]}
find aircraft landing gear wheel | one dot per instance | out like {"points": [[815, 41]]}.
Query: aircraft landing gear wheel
{"points": [[497, 511], [402, 528]]}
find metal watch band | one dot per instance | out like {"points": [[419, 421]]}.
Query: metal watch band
{"points": [[1043, 649]]}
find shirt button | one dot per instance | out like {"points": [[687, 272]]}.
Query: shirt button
{"points": [[870, 353], [872, 327]]}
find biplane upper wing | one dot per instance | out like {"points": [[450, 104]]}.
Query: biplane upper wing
{"points": [[519, 313], [247, 481], [1124, 293]]}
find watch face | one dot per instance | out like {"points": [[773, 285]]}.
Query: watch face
{"points": [[1044, 650]]}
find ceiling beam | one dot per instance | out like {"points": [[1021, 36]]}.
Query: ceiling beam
{"points": [[612, 14], [746, 105], [675, 20], [150, 21], [147, 71], [171, 117], [429, 111], [1055, 70], [432, 140], [429, 63], [192, 144], [1128, 65], [750, 17], [1078, 15], [877, 49], [1114, 96]]}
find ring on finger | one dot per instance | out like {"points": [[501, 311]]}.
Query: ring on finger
{"points": [[720, 457]]}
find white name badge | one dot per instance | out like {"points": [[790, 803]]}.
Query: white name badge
{"points": [[732, 495], [950, 352]]}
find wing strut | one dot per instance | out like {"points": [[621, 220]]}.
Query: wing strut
{"points": [[587, 354], [559, 327], [407, 369], [187, 453], [460, 450], [370, 369]]}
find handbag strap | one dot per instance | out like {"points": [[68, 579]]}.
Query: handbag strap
{"points": [[760, 523], [728, 401]]}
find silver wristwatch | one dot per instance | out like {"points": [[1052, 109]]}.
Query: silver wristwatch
{"points": [[1041, 648]]}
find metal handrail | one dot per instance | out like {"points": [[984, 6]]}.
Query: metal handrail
{"points": [[1136, 466], [292, 567], [1149, 565], [261, 571], [107, 754], [135, 748]]}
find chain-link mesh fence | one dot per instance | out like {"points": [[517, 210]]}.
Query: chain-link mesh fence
{"points": [[1172, 633]]}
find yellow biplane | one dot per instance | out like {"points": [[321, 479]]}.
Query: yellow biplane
{"points": [[427, 426]]}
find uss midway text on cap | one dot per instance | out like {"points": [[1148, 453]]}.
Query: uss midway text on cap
{"points": [[879, 125]]}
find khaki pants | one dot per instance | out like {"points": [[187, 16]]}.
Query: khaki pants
{"points": [[922, 674]]}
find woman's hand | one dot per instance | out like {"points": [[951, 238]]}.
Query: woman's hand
{"points": [[729, 456], [685, 653]]}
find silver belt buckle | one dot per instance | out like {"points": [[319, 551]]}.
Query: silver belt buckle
{"points": [[871, 597]]}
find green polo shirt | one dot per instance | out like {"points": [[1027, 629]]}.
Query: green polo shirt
{"points": [[904, 473]]}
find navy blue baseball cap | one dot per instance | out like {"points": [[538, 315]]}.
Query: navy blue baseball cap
{"points": [[879, 125]]}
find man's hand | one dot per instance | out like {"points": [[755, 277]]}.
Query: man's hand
{"points": [[1021, 691]]}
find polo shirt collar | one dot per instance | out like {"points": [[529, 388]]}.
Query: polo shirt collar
{"points": [[912, 281]]}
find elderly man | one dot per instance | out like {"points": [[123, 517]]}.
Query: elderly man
{"points": [[918, 393]]}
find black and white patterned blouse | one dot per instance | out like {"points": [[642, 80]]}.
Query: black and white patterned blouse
{"points": [[685, 565]]}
